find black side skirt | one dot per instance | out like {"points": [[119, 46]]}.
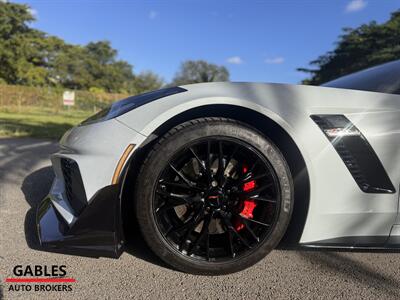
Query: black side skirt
{"points": [[357, 242]]}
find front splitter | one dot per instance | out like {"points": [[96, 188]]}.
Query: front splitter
{"points": [[96, 232]]}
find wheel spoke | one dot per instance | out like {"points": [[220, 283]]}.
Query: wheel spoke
{"points": [[257, 191], [231, 228], [248, 228], [254, 221], [257, 198], [201, 163], [203, 233], [165, 206], [231, 156], [254, 166], [182, 199], [189, 229], [221, 167], [208, 247], [230, 237], [250, 171], [252, 176], [189, 223], [177, 185], [183, 177], [172, 200], [208, 162]]}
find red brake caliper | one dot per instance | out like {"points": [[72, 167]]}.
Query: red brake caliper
{"points": [[248, 204]]}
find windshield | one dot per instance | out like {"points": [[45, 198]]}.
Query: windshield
{"points": [[383, 79]]}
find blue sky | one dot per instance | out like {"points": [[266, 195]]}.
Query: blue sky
{"points": [[263, 41]]}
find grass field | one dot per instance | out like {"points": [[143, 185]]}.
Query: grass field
{"points": [[38, 122]]}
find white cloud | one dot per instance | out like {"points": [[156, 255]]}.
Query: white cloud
{"points": [[275, 60], [235, 60], [356, 5], [33, 12], [153, 14]]}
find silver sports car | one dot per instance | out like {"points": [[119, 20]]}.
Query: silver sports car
{"points": [[215, 175]]}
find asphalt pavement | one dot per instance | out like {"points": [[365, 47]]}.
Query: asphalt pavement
{"points": [[25, 178]]}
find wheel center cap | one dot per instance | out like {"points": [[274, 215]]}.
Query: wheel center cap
{"points": [[215, 198]]}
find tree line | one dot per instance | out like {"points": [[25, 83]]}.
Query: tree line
{"points": [[32, 57], [358, 48]]}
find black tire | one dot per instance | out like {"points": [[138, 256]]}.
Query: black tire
{"points": [[157, 160]]}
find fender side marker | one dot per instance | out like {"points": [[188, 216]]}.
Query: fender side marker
{"points": [[121, 163]]}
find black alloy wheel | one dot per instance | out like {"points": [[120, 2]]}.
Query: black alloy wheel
{"points": [[216, 203], [216, 199]]}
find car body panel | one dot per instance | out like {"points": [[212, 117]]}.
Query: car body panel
{"points": [[331, 214], [97, 148], [338, 208]]}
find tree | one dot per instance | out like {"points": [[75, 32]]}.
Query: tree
{"points": [[70, 68], [32, 57], [145, 82], [21, 47], [195, 71], [14, 19], [366, 46], [106, 71], [102, 52]]}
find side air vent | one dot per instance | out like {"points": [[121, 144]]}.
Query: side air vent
{"points": [[356, 153], [74, 189]]}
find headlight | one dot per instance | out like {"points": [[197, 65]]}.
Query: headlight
{"points": [[123, 106]]}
